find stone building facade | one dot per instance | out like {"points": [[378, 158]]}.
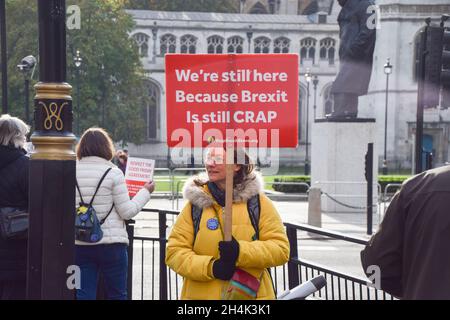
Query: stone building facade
{"points": [[283, 26]]}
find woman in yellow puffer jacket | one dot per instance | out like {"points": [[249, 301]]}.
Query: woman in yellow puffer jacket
{"points": [[206, 262]]}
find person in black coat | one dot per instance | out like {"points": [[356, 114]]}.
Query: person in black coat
{"points": [[14, 165], [411, 247], [357, 23]]}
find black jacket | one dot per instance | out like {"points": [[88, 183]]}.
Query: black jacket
{"points": [[357, 43], [412, 247], [14, 166]]}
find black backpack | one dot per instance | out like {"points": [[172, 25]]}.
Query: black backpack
{"points": [[253, 208]]}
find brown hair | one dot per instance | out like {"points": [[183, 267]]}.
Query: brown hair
{"points": [[95, 142], [245, 168]]}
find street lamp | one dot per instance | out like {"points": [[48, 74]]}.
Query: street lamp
{"points": [[308, 77], [387, 70], [27, 66], [102, 72], [315, 83], [78, 60], [241, 6], [249, 38]]}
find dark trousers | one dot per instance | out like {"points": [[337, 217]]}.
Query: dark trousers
{"points": [[345, 104], [13, 290], [111, 260]]}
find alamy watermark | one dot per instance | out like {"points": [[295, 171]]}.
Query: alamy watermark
{"points": [[375, 276], [374, 21], [73, 21], [74, 279]]}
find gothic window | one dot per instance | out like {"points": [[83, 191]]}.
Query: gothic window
{"points": [[327, 50], [215, 44], [262, 45], [327, 100], [302, 114], [308, 50], [152, 111], [142, 43], [258, 8], [235, 44], [188, 44], [281, 45], [168, 44]]}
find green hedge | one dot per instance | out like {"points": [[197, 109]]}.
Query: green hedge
{"points": [[385, 180], [382, 180], [291, 188]]}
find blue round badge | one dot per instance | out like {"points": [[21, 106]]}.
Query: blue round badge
{"points": [[212, 224]]}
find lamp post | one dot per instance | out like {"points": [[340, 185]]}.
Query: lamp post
{"points": [[241, 6], [78, 60], [27, 66], [387, 70], [4, 58], [315, 83], [249, 38], [308, 80], [102, 72]]}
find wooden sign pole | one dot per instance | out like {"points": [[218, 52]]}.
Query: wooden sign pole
{"points": [[228, 217]]}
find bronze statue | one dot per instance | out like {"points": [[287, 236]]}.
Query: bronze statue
{"points": [[357, 44]]}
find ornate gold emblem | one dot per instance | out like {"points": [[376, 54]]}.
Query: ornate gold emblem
{"points": [[53, 118]]}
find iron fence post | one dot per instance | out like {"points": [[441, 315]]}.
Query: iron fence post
{"points": [[130, 231], [162, 256], [293, 278]]}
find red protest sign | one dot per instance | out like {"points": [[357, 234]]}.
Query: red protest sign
{"points": [[253, 95], [139, 171]]}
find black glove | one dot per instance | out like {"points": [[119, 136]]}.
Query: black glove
{"points": [[223, 270], [229, 250], [224, 267]]}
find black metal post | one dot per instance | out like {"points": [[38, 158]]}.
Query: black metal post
{"points": [[429, 160], [307, 132], [51, 242], [369, 178], [315, 83], [249, 38], [385, 169], [162, 256], [78, 102], [102, 72], [293, 255], [27, 98], [420, 104], [4, 63], [130, 231]]}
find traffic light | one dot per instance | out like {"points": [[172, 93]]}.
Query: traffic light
{"points": [[368, 163], [445, 75], [433, 66], [435, 47]]}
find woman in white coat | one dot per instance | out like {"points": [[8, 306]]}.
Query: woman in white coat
{"points": [[113, 205]]}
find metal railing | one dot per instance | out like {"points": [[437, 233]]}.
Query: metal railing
{"points": [[303, 184], [385, 197], [155, 280], [340, 286]]}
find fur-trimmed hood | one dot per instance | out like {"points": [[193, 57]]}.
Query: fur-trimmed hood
{"points": [[199, 195]]}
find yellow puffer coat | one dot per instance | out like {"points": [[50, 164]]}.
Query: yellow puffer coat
{"points": [[194, 261]]}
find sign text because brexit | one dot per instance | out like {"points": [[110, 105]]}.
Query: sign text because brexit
{"points": [[249, 98]]}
